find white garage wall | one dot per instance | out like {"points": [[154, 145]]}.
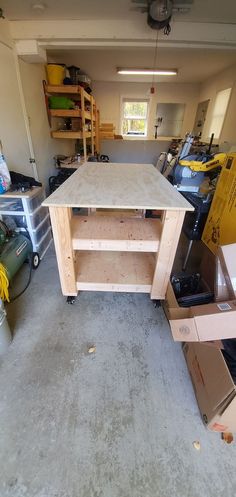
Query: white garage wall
{"points": [[12, 127], [44, 146], [209, 89], [108, 96]]}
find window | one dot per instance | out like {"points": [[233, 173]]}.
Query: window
{"points": [[219, 111], [169, 119], [134, 117]]}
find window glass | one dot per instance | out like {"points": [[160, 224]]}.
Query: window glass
{"points": [[134, 118], [219, 111]]}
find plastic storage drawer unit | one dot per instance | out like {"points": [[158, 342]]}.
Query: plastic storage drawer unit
{"points": [[11, 204], [38, 234], [42, 247], [34, 219]]}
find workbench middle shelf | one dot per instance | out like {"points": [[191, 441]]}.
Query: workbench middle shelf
{"points": [[107, 233]]}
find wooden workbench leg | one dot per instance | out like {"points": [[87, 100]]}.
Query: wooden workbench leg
{"points": [[60, 219], [172, 222]]}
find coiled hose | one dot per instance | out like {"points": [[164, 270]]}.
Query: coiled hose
{"points": [[4, 284]]}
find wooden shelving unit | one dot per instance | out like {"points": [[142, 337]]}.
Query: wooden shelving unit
{"points": [[89, 117], [116, 253]]}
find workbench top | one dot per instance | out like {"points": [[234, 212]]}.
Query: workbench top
{"points": [[119, 186]]}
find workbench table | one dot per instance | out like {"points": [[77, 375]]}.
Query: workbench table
{"points": [[110, 253]]}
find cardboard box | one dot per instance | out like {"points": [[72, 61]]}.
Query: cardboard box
{"points": [[220, 227], [227, 257], [202, 322], [214, 388], [221, 289]]}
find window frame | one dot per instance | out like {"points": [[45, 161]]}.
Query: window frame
{"points": [[125, 99], [222, 115]]}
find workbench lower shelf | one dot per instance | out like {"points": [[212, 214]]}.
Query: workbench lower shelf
{"points": [[115, 233], [115, 271]]}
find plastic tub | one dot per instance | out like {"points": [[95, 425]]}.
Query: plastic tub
{"points": [[74, 73], [61, 103], [44, 244], [40, 232], [55, 73], [11, 204], [36, 201], [35, 218]]}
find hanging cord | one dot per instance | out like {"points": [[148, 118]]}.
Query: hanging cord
{"points": [[31, 256], [155, 60], [167, 29], [28, 281], [4, 284]]}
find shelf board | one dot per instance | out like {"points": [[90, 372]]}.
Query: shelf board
{"points": [[70, 89], [65, 112], [87, 115], [115, 233], [73, 135], [115, 271]]}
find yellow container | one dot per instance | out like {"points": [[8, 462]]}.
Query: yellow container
{"points": [[220, 227], [55, 73]]}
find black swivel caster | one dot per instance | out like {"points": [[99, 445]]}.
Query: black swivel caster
{"points": [[157, 303], [71, 299]]}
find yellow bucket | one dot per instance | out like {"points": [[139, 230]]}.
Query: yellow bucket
{"points": [[55, 73]]}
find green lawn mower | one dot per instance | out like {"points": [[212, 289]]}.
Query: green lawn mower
{"points": [[15, 249]]}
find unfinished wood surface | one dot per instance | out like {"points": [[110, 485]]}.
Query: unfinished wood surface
{"points": [[83, 124], [97, 121], [35, 190], [61, 227], [172, 225], [73, 135], [121, 186], [65, 112], [138, 213], [68, 89], [117, 234], [115, 271], [92, 125]]}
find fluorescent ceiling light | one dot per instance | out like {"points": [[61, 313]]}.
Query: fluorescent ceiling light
{"points": [[148, 72]]}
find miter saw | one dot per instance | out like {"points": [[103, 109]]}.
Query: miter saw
{"points": [[193, 170], [190, 173]]}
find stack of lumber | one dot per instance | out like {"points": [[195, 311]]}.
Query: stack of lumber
{"points": [[106, 131]]}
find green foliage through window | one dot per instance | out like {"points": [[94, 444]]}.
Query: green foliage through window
{"points": [[134, 118]]}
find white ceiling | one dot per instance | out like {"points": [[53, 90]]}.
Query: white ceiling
{"points": [[193, 66], [201, 11]]}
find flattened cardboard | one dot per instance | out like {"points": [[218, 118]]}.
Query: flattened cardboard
{"points": [[200, 323], [221, 289], [220, 227], [214, 388], [227, 257]]}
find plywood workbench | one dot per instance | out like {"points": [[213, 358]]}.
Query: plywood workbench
{"points": [[112, 253]]}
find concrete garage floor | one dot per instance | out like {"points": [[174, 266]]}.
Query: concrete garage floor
{"points": [[117, 423]]}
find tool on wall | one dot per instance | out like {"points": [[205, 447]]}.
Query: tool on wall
{"points": [[157, 125]]}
